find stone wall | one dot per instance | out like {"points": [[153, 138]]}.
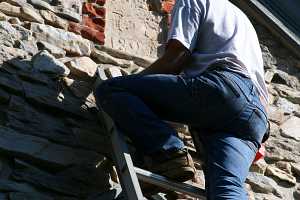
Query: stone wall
{"points": [[51, 139]]}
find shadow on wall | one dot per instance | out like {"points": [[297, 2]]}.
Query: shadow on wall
{"points": [[50, 137]]}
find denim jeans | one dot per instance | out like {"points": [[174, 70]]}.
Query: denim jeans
{"points": [[222, 105]]}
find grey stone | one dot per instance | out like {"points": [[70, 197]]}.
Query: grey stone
{"points": [[79, 88], [55, 100], [291, 94], [27, 196], [4, 96], [69, 15], [54, 50], [105, 58], [31, 14], [14, 20], [45, 62], [82, 67], [269, 59], [296, 168], [297, 193], [24, 33], [280, 175], [42, 179], [73, 44], [54, 20], [11, 84], [7, 53], [260, 183], [17, 2], [34, 77], [286, 106], [24, 118], [140, 61], [70, 10], [291, 128], [275, 114], [14, 187], [29, 46], [3, 17], [9, 9], [41, 151], [41, 4]]}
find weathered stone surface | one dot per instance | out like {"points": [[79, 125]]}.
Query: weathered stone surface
{"points": [[296, 168], [105, 58], [297, 193], [4, 96], [11, 186], [269, 59], [11, 84], [14, 20], [41, 151], [24, 118], [41, 5], [280, 175], [286, 106], [262, 184], [45, 62], [275, 114], [66, 185], [79, 88], [17, 2], [3, 17], [53, 20], [69, 15], [291, 128], [285, 166], [260, 166], [71, 10], [24, 12], [54, 50], [8, 34], [27, 45], [73, 44], [82, 67], [9, 9], [141, 61], [54, 100], [31, 14], [7, 53], [292, 95]]}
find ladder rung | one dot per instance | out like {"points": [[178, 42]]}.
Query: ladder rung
{"points": [[163, 182]]}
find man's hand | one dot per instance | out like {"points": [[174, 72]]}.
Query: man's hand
{"points": [[172, 62]]}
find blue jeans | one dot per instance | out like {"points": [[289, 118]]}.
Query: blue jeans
{"points": [[222, 105]]}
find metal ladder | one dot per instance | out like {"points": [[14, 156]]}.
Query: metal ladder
{"points": [[130, 175]]}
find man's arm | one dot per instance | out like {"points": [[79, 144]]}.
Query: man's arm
{"points": [[172, 62]]}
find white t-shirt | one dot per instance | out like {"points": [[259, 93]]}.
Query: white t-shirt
{"points": [[217, 31]]}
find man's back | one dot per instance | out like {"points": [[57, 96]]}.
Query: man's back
{"points": [[223, 33]]}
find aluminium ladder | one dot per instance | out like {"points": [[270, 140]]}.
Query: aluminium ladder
{"points": [[130, 175]]}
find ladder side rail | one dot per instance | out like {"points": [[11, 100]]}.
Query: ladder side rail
{"points": [[122, 160], [163, 182]]}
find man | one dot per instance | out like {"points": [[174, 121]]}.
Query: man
{"points": [[211, 77]]}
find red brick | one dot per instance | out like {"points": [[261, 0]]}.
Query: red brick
{"points": [[88, 21], [88, 8], [100, 11], [93, 35], [100, 2], [99, 21], [75, 27]]}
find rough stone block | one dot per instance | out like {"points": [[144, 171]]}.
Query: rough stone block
{"points": [[41, 151], [73, 44]]}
